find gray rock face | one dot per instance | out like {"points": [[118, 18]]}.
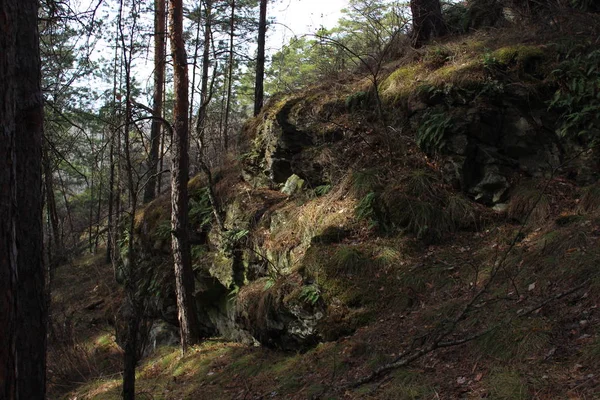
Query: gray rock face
{"points": [[161, 334], [489, 143], [279, 318], [286, 146]]}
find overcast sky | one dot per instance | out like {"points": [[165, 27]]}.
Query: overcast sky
{"points": [[299, 17]]}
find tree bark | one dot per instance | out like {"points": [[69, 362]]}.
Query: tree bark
{"points": [[22, 289], [260, 60], [184, 276], [157, 104], [427, 21]]}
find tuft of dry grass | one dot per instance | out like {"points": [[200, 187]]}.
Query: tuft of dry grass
{"points": [[529, 204], [590, 200]]}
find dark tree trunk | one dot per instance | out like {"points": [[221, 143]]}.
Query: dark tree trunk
{"points": [[157, 104], [22, 289], [427, 21], [260, 60], [184, 276]]}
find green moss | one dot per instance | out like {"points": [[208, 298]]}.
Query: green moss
{"points": [[465, 74], [520, 54], [222, 269], [399, 83]]}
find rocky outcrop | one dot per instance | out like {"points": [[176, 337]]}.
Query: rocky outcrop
{"points": [[284, 147], [489, 140]]}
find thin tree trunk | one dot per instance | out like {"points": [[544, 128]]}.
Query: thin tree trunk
{"points": [[204, 95], [260, 60], [195, 63], [111, 189], [110, 245], [229, 78], [51, 208], [99, 202], [184, 276], [157, 104], [91, 212], [131, 276], [67, 206], [162, 137]]}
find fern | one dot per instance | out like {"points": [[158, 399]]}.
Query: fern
{"points": [[200, 211], [322, 190], [431, 135], [366, 209], [163, 230], [310, 294], [579, 96]]}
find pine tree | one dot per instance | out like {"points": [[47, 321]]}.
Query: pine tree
{"points": [[23, 304], [184, 276]]}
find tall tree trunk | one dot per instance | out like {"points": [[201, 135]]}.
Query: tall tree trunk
{"points": [[22, 289], [157, 104], [229, 78], [131, 307], [427, 21], [184, 276], [112, 228], [260, 60], [204, 95], [195, 63]]}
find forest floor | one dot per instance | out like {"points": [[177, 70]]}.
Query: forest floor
{"points": [[552, 352]]}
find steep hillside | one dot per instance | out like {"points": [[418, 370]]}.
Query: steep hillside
{"points": [[433, 237]]}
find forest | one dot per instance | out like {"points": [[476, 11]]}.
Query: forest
{"points": [[405, 205]]}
